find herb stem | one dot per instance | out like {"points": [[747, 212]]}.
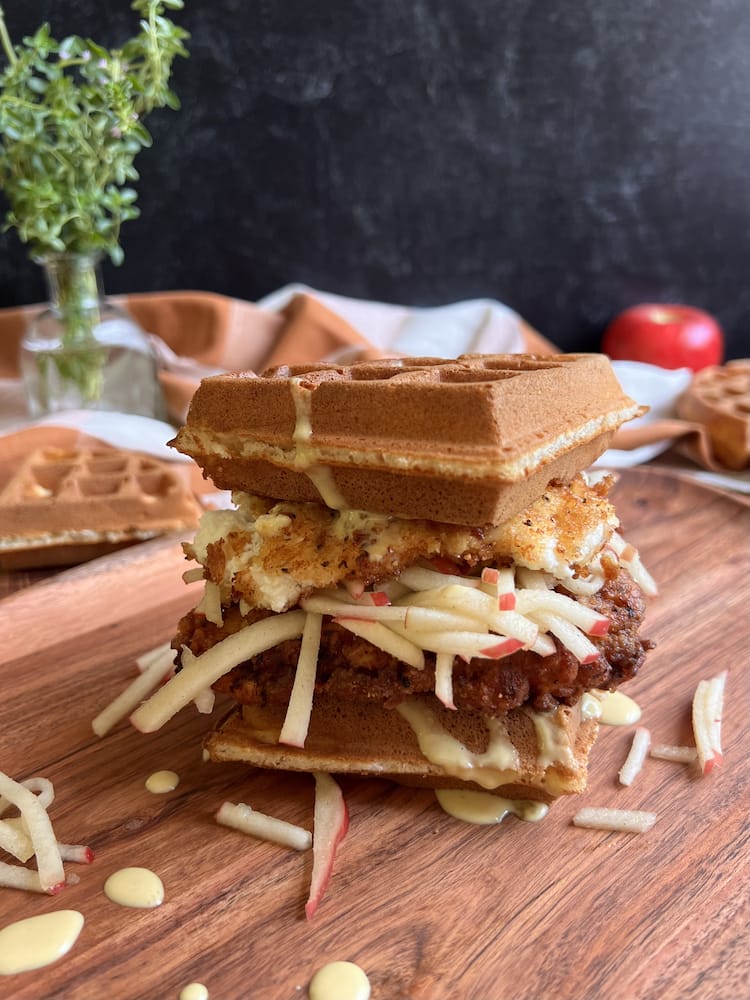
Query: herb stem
{"points": [[10, 52], [154, 49]]}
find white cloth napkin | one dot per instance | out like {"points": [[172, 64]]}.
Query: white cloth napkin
{"points": [[475, 326], [657, 388]]}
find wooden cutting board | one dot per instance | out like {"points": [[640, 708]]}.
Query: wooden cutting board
{"points": [[430, 907]]}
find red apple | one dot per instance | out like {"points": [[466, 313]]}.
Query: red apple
{"points": [[670, 336]]}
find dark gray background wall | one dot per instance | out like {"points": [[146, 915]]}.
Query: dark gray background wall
{"points": [[569, 159]]}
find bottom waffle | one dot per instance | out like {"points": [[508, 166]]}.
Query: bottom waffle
{"points": [[65, 506], [537, 759]]}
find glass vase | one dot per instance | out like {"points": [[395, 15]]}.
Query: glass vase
{"points": [[84, 352]]}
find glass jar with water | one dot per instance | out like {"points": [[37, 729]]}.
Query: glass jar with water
{"points": [[84, 352]]}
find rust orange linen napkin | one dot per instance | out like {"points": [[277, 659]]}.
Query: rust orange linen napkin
{"points": [[689, 439]]}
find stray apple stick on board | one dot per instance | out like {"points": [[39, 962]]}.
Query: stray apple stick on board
{"points": [[331, 823], [708, 705], [616, 820], [255, 824], [636, 757], [39, 828], [678, 754]]}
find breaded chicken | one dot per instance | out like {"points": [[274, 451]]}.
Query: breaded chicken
{"points": [[269, 555]]}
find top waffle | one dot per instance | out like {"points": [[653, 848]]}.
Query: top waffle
{"points": [[719, 397], [468, 441], [66, 505]]}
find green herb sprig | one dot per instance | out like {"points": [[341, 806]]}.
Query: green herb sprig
{"points": [[72, 122]]}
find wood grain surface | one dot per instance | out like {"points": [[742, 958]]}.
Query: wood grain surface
{"points": [[430, 907]]}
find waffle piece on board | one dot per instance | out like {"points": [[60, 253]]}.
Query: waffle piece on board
{"points": [[719, 398], [468, 441], [65, 506]]}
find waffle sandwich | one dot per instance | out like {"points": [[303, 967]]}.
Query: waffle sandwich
{"points": [[64, 506], [416, 581]]}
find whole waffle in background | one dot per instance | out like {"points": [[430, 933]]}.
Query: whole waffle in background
{"points": [[719, 398], [65, 506]]}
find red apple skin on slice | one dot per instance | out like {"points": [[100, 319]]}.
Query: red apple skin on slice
{"points": [[715, 761], [330, 825]]}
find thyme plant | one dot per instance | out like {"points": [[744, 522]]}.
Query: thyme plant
{"points": [[71, 124]]}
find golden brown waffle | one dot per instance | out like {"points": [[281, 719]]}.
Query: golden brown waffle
{"points": [[719, 397], [467, 441], [365, 739], [64, 506]]}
